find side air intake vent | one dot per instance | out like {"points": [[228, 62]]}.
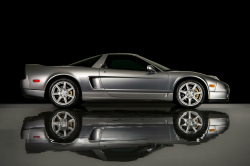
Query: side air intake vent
{"points": [[95, 82]]}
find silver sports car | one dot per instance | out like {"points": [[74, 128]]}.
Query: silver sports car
{"points": [[120, 76]]}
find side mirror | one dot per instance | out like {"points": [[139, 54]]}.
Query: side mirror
{"points": [[151, 69]]}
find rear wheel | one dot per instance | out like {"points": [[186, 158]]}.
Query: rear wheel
{"points": [[64, 126], [64, 93]]}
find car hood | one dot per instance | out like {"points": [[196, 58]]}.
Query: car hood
{"points": [[190, 73]]}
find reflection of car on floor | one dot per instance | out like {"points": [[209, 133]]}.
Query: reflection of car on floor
{"points": [[119, 77], [119, 135]]}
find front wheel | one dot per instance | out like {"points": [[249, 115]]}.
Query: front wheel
{"points": [[189, 94], [190, 124]]}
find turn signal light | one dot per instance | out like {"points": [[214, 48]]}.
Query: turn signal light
{"points": [[211, 130], [36, 80], [212, 85]]}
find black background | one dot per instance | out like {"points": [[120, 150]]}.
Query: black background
{"points": [[210, 44]]}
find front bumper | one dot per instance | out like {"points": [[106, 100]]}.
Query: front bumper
{"points": [[220, 94]]}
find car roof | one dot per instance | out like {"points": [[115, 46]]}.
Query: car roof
{"points": [[122, 54]]}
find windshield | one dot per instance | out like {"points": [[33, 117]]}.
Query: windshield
{"points": [[155, 64]]}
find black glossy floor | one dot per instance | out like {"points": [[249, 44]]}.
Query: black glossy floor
{"points": [[232, 147]]}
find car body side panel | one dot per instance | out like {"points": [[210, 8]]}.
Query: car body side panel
{"points": [[116, 82], [126, 80]]}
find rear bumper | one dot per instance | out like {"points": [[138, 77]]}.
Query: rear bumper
{"points": [[33, 93], [30, 93]]}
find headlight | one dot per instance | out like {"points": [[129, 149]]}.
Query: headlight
{"points": [[214, 77]]}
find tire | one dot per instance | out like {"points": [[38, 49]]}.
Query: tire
{"points": [[70, 92], [192, 97], [198, 121], [65, 130]]}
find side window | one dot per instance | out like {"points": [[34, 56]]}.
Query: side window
{"points": [[87, 62], [126, 62]]}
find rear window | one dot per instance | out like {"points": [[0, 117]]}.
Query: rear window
{"points": [[89, 62]]}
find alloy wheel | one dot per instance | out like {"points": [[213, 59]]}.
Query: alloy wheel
{"points": [[190, 94], [63, 93], [63, 124], [190, 122]]}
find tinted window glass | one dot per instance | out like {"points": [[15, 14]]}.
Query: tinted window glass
{"points": [[156, 64], [87, 62], [126, 62]]}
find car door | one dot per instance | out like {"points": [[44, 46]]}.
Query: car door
{"points": [[126, 76]]}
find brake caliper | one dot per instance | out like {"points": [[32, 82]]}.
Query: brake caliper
{"points": [[197, 96], [197, 121]]}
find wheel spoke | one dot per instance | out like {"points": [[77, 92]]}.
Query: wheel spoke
{"points": [[194, 129], [70, 96], [199, 124], [195, 99], [184, 124], [55, 123], [58, 117], [56, 93], [70, 128], [70, 89], [197, 93], [189, 101], [65, 100], [72, 120], [189, 114], [65, 116], [58, 88], [196, 117], [184, 119], [182, 91], [187, 86], [58, 100], [64, 131], [195, 85], [64, 85], [184, 98], [188, 127], [58, 130]]}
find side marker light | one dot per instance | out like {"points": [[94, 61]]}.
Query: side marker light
{"points": [[211, 85]]}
